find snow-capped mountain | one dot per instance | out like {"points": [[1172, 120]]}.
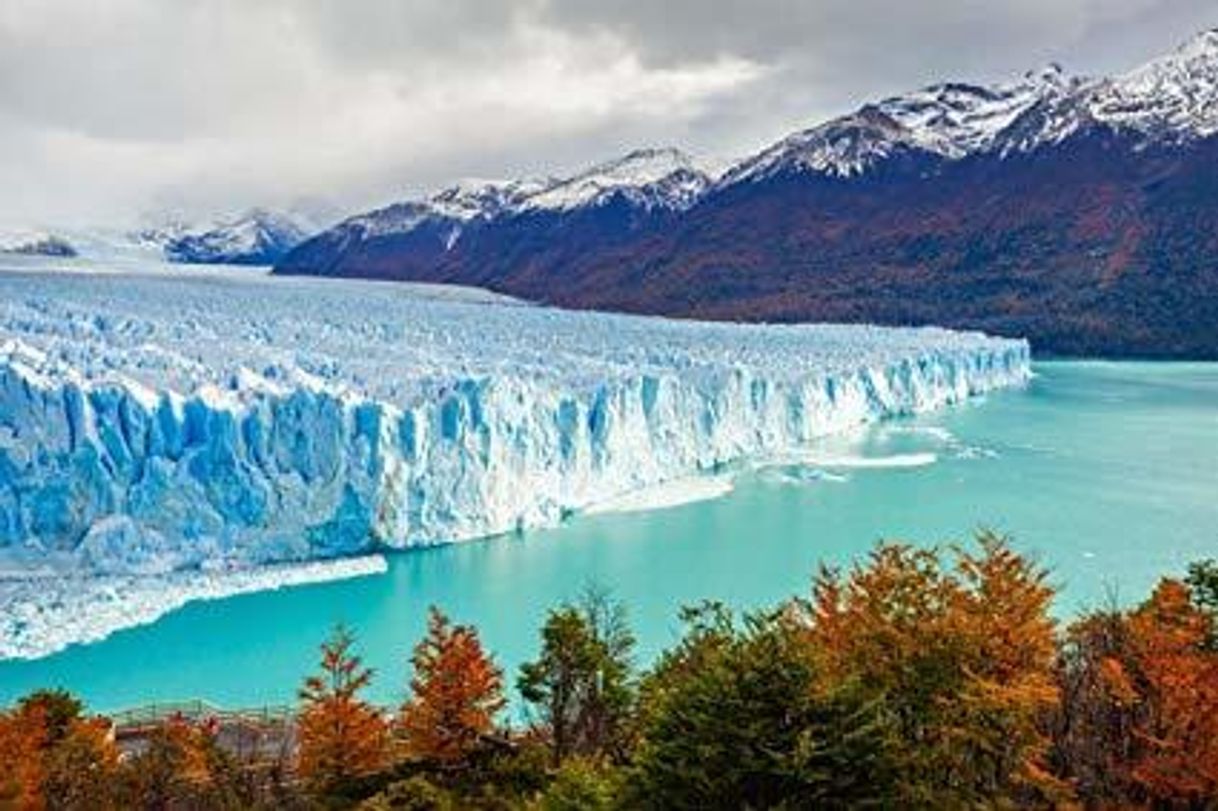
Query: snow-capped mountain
{"points": [[467, 201], [1171, 99], [255, 237], [1081, 212], [646, 178], [948, 121], [477, 218], [1176, 95]]}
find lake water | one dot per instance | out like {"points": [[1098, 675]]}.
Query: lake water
{"points": [[1107, 472]]}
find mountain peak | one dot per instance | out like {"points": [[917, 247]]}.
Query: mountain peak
{"points": [[652, 178], [471, 199], [946, 120], [1050, 74], [1203, 44], [1171, 98], [640, 167]]}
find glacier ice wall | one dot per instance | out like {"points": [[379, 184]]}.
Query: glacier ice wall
{"points": [[156, 423]]}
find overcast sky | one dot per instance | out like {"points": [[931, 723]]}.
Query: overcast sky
{"points": [[114, 109]]}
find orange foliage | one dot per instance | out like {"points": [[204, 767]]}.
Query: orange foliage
{"points": [[456, 693], [189, 747], [1178, 677], [963, 656], [1139, 725], [23, 737], [340, 736], [45, 766]]}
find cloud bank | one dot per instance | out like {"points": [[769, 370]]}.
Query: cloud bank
{"points": [[112, 109]]}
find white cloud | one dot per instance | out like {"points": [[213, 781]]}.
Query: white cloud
{"points": [[113, 107]]}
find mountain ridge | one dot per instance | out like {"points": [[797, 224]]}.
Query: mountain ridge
{"points": [[1075, 210]]}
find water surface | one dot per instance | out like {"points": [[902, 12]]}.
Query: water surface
{"points": [[1107, 472]]}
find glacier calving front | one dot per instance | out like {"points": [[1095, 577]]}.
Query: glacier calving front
{"points": [[151, 423]]}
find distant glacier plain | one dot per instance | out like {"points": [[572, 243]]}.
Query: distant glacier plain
{"points": [[210, 421]]}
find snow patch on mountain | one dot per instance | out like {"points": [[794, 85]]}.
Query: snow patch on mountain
{"points": [[947, 121], [255, 237], [1170, 100], [450, 209], [648, 178]]}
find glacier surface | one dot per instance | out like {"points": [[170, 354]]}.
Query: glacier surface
{"points": [[153, 423]]}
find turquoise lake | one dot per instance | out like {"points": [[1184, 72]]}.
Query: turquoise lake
{"points": [[1106, 472]]}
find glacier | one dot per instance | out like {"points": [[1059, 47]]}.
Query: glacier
{"points": [[201, 421], [152, 423]]}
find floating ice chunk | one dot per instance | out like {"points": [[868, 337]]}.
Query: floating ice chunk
{"points": [[669, 494]]}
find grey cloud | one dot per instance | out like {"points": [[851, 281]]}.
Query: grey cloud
{"points": [[109, 108]]}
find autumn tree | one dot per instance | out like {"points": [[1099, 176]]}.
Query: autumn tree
{"points": [[1139, 718], [582, 682], [82, 768], [53, 756], [23, 735], [179, 766], [341, 736], [962, 655], [57, 708], [1202, 582], [456, 692]]}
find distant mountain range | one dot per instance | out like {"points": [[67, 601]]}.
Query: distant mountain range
{"points": [[254, 237], [1079, 212]]}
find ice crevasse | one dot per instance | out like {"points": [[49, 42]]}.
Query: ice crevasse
{"points": [[151, 424]]}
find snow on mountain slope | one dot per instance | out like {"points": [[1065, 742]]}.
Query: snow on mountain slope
{"points": [[946, 120], [1170, 99], [448, 210], [1175, 95], [474, 199], [158, 423], [256, 237], [648, 178]]}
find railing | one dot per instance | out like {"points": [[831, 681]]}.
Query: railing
{"points": [[198, 710]]}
